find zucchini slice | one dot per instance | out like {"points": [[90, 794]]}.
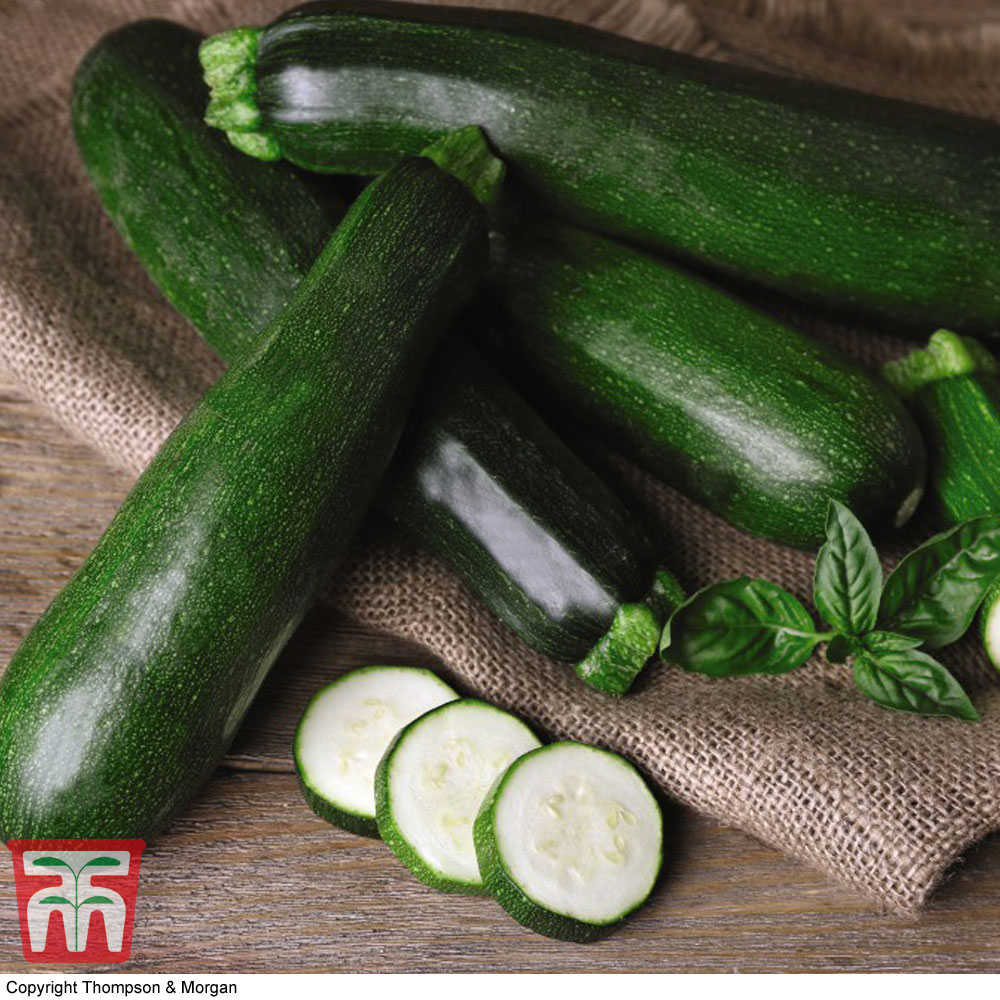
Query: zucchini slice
{"points": [[346, 729], [431, 781], [570, 840], [989, 624]]}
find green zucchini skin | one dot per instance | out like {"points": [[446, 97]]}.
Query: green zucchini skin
{"points": [[953, 390], [474, 455], [754, 420], [132, 684], [879, 208], [178, 192]]}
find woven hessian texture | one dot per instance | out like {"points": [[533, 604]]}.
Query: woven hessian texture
{"points": [[882, 801]]}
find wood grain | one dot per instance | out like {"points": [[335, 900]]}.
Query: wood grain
{"points": [[249, 880]]}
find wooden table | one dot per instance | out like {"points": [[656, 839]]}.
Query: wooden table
{"points": [[249, 880]]}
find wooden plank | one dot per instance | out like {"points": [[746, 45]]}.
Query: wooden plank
{"points": [[250, 880]]}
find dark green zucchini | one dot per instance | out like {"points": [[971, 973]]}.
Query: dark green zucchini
{"points": [[756, 421], [177, 193], [881, 208], [479, 479], [484, 483], [952, 388], [129, 688]]}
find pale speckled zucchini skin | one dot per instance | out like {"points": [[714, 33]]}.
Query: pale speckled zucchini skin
{"points": [[226, 240], [874, 206], [758, 422], [124, 695]]}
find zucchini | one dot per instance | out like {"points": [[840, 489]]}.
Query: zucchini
{"points": [[989, 623], [876, 207], [570, 840], [225, 241], [953, 390], [481, 481], [124, 695], [344, 732], [431, 781], [761, 424], [570, 570]]}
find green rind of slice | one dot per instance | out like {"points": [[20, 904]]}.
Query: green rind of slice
{"points": [[363, 826], [989, 623]]}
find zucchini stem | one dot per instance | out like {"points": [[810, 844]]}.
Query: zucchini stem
{"points": [[466, 155], [617, 658], [229, 61], [947, 355]]}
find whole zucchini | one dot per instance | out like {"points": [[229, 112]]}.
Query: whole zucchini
{"points": [[878, 207], [133, 682], [756, 421], [479, 479], [953, 389]]}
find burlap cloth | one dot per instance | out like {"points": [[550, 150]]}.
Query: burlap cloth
{"points": [[882, 801]]}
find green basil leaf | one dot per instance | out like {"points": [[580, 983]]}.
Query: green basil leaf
{"points": [[740, 626], [934, 592], [848, 577], [841, 648], [881, 642], [912, 681]]}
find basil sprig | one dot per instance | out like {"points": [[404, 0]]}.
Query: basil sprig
{"points": [[750, 626]]}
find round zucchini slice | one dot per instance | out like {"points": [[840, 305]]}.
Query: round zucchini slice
{"points": [[344, 732], [570, 841], [432, 780]]}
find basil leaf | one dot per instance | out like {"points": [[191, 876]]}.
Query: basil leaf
{"points": [[848, 577], [881, 642], [740, 626], [841, 648], [911, 681], [934, 592]]}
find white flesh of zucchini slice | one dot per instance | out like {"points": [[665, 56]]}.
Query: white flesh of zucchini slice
{"points": [[346, 729], [434, 778]]}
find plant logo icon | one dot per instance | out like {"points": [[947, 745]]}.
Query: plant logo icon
{"points": [[80, 885]]}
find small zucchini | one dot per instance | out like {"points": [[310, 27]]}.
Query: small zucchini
{"points": [[869, 205], [432, 780], [124, 695], [478, 479], [569, 841], [953, 389], [346, 729]]}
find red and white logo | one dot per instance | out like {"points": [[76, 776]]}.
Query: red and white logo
{"points": [[76, 898]]}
